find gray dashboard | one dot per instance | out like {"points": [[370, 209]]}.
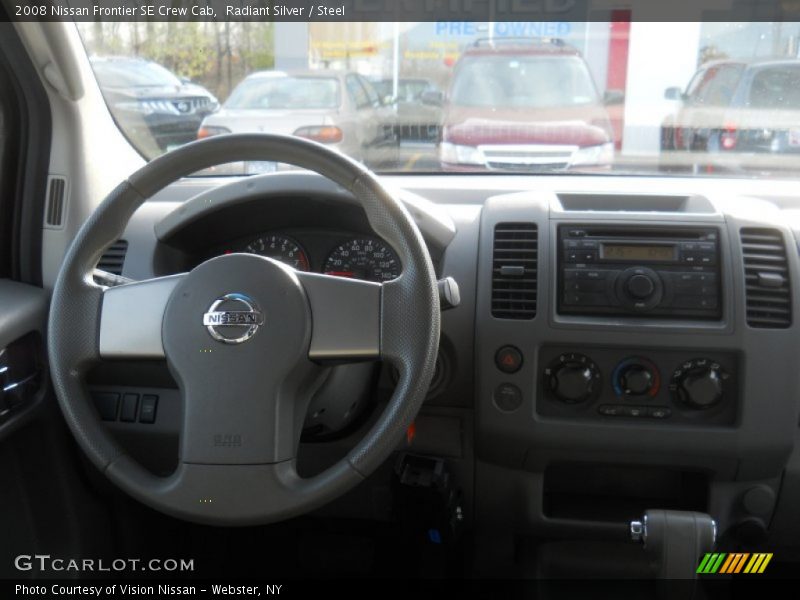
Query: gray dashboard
{"points": [[523, 457]]}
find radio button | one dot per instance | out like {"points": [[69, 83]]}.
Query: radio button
{"points": [[706, 278], [699, 258], [586, 286], [593, 275], [706, 258], [585, 275], [694, 288], [707, 302], [585, 299]]}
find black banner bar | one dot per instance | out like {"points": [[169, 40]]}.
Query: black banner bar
{"points": [[397, 10]]}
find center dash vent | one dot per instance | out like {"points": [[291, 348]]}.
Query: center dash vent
{"points": [[113, 258], [766, 272], [514, 269]]}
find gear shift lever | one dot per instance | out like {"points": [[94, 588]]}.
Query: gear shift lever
{"points": [[674, 540]]}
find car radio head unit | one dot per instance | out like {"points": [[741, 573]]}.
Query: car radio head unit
{"points": [[666, 273]]}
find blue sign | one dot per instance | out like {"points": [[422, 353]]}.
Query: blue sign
{"points": [[504, 28]]}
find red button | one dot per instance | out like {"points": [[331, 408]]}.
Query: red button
{"points": [[508, 359]]}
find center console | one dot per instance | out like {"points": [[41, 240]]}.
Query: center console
{"points": [[632, 350], [669, 272]]}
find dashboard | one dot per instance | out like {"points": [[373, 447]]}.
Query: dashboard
{"points": [[612, 342]]}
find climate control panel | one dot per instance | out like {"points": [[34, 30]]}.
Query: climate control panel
{"points": [[664, 385]]}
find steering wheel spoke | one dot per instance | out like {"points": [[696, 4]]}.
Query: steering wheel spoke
{"points": [[347, 316], [131, 318]]}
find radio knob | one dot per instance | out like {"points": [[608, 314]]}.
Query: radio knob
{"points": [[640, 286], [639, 289], [574, 379]]}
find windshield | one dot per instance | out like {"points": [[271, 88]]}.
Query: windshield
{"points": [[600, 97], [129, 73], [528, 82], [296, 93]]}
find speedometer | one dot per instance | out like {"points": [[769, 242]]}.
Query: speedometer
{"points": [[281, 248], [364, 258]]}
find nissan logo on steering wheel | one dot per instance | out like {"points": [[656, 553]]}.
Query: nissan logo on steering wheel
{"points": [[233, 319]]}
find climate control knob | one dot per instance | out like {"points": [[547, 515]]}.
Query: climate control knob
{"points": [[698, 383], [573, 378], [636, 376], [637, 380]]}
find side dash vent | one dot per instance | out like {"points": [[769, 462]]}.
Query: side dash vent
{"points": [[56, 199], [113, 258], [514, 270], [766, 272]]}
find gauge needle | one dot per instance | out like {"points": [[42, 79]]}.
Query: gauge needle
{"points": [[340, 273]]}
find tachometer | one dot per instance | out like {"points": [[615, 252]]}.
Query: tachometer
{"points": [[364, 258], [281, 248]]}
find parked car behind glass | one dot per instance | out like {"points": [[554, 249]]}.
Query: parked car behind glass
{"points": [[337, 108], [418, 106], [526, 105], [155, 107], [747, 110]]}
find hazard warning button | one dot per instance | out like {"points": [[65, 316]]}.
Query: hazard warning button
{"points": [[508, 359]]}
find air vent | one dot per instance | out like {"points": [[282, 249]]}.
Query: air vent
{"points": [[766, 272], [514, 270], [56, 196], [114, 257]]}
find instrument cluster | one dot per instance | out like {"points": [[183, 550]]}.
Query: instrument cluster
{"points": [[355, 256]]}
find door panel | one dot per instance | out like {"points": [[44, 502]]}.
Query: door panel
{"points": [[22, 360]]}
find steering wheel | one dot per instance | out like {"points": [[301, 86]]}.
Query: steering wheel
{"points": [[247, 339]]}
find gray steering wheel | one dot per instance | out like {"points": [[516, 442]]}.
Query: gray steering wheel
{"points": [[247, 340]]}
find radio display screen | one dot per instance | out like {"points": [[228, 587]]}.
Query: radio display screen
{"points": [[637, 252]]}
